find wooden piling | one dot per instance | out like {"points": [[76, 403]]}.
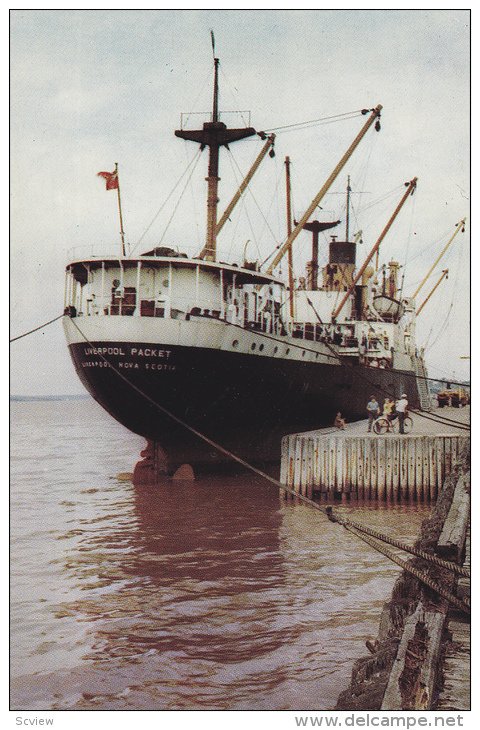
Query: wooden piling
{"points": [[375, 467]]}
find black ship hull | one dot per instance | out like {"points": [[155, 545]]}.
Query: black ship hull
{"points": [[244, 403]]}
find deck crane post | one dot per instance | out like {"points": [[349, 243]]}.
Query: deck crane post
{"points": [[409, 191], [375, 113]]}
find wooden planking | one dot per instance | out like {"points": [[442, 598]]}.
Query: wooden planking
{"points": [[403, 443], [382, 468], [411, 464], [375, 467], [419, 477]]}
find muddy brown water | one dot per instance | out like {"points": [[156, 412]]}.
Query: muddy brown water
{"points": [[213, 595]]}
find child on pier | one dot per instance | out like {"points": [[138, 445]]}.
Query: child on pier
{"points": [[339, 422]]}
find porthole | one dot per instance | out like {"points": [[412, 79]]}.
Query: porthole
{"points": [[275, 350], [235, 343], [260, 347], [253, 346], [287, 351], [303, 353]]}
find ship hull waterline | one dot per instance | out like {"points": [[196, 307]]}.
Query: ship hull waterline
{"points": [[244, 403]]}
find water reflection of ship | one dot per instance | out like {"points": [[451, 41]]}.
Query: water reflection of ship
{"points": [[185, 590]]}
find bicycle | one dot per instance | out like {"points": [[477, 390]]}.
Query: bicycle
{"points": [[383, 425]]}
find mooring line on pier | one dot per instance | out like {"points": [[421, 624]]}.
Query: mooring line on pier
{"points": [[41, 327], [326, 510], [462, 605], [429, 557]]}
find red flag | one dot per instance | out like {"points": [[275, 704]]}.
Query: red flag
{"points": [[111, 179]]}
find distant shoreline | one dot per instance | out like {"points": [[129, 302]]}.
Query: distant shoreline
{"points": [[49, 397]]}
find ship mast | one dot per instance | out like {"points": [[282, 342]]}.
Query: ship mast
{"points": [[288, 191], [214, 135]]}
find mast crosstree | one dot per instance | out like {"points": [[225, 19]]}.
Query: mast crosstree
{"points": [[215, 134]]}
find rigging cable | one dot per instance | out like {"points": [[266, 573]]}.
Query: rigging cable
{"points": [[175, 208], [229, 87], [194, 159], [320, 120], [266, 223], [352, 525], [453, 301], [423, 251], [243, 198], [441, 330], [194, 205]]}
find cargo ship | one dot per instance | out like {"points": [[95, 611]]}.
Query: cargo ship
{"points": [[174, 346]]}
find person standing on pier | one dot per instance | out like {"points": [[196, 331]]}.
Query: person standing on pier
{"points": [[401, 410], [388, 408], [373, 410]]}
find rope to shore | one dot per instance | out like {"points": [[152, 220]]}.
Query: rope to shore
{"points": [[462, 605], [327, 511], [41, 327], [434, 559]]}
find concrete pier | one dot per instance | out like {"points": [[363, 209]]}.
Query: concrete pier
{"points": [[353, 462]]}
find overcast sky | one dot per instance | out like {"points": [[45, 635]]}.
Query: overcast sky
{"points": [[91, 88]]}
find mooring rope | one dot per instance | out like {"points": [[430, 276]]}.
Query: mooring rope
{"points": [[463, 605], [429, 557], [326, 510], [41, 327]]}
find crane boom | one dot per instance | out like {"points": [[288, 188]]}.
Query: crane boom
{"points": [[459, 227], [288, 243], [228, 210], [410, 189], [444, 274]]}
